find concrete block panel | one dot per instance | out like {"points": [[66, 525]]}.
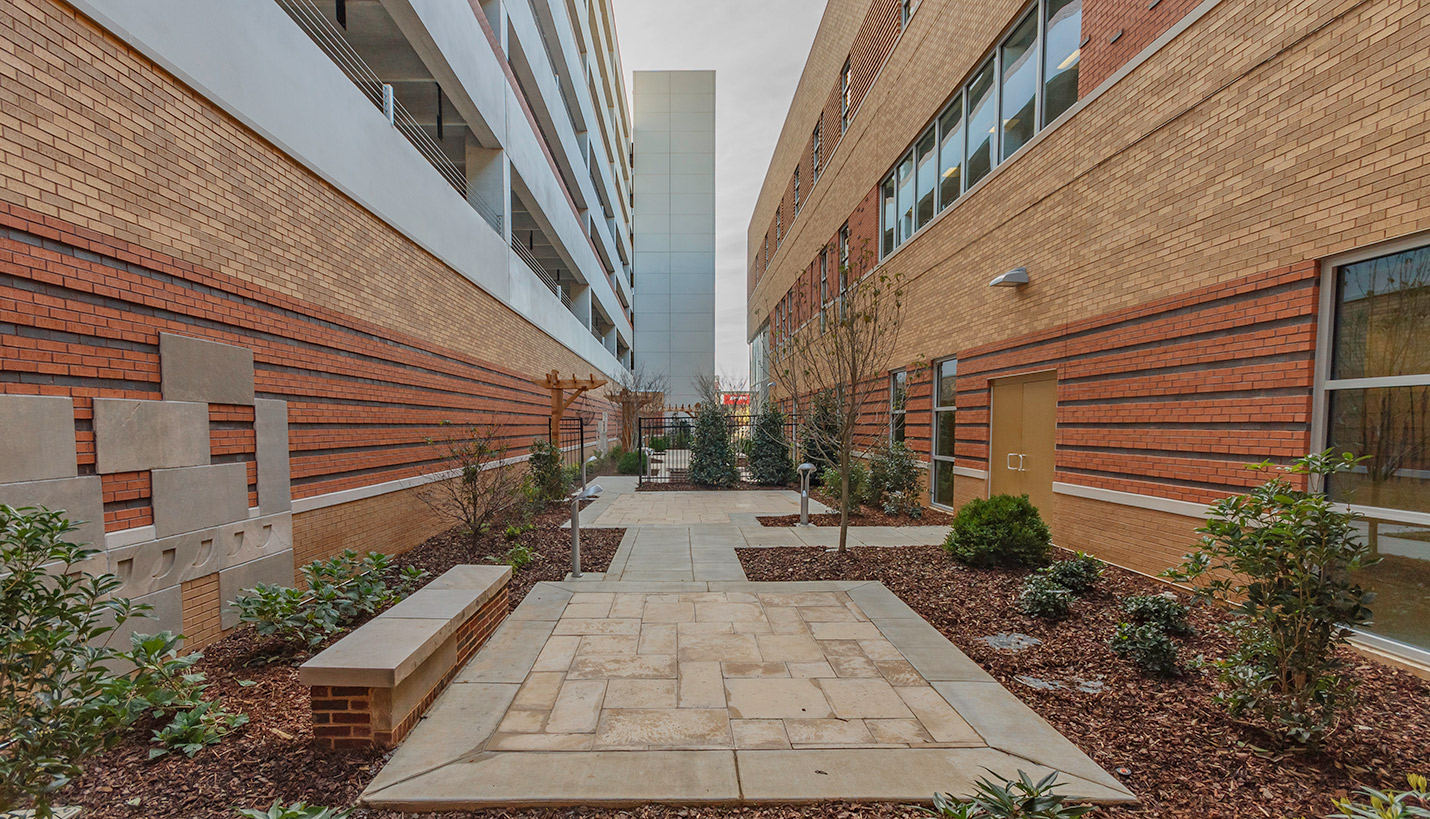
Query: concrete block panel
{"points": [[166, 614], [690, 183], [193, 369], [270, 425], [132, 436], [38, 443], [256, 538], [199, 497], [275, 569], [153, 565], [692, 163], [82, 499], [692, 82]]}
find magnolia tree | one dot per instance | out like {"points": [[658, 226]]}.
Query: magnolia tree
{"points": [[847, 344]]}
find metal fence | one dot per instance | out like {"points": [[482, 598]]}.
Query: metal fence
{"points": [[573, 440], [671, 441]]}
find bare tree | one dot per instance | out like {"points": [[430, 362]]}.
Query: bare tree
{"points": [[843, 347], [635, 391], [484, 485]]}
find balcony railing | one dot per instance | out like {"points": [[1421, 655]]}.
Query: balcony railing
{"points": [[541, 272], [331, 40]]}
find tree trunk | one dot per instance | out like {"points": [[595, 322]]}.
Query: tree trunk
{"points": [[843, 500]]}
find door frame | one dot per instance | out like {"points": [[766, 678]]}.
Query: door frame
{"points": [[1019, 377]]}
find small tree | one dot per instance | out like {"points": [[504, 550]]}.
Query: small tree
{"points": [[1282, 559], [712, 454], [818, 429], [56, 703], [843, 354], [770, 462], [635, 391], [546, 471], [483, 487]]}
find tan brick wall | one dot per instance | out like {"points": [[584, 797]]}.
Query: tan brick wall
{"points": [[200, 601], [390, 523], [1144, 540]]}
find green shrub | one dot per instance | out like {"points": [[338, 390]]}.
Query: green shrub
{"points": [[658, 443], [770, 462], [518, 557], [902, 503], [1077, 574], [819, 431], [1387, 804], [195, 729], [1161, 610], [1043, 597], [57, 705], [683, 435], [1148, 646], [545, 466], [338, 590], [1284, 561], [297, 810], [1012, 799], [163, 686], [893, 469], [631, 463], [858, 482], [1003, 530], [712, 461]]}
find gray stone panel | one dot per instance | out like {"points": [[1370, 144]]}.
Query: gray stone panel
{"points": [[270, 425], [38, 442], [157, 564], [274, 569], [81, 498], [199, 497], [205, 371], [132, 436]]}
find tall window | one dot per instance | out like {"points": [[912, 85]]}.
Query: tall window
{"points": [[843, 267], [1019, 115], [779, 218], [982, 125], [1062, 53], [796, 190], [823, 288], [1376, 405], [844, 97], [926, 170], [904, 192], [945, 375], [898, 404], [815, 147], [905, 12], [767, 251], [950, 153], [889, 215]]}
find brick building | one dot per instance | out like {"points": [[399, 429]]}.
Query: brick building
{"points": [[254, 255], [1220, 215]]}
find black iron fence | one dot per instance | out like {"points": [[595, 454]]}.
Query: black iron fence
{"points": [[573, 440], [671, 442]]}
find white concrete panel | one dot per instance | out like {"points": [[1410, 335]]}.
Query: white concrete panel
{"points": [[692, 82], [681, 204], [690, 224], [692, 163], [654, 164], [692, 141], [696, 264], [692, 103], [692, 183], [694, 242], [656, 241], [692, 122]]}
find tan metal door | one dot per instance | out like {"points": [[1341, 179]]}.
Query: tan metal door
{"points": [[1023, 437]]}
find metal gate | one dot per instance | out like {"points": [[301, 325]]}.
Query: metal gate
{"points": [[573, 440], [671, 440]]}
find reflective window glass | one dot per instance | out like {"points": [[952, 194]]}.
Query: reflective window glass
{"points": [[1020, 85], [1062, 53], [950, 153]]}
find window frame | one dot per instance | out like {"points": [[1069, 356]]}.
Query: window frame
{"points": [[1324, 385], [817, 144], [823, 290], [899, 378], [796, 189], [935, 409], [845, 84]]}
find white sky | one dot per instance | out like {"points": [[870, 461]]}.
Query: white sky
{"points": [[757, 49]]}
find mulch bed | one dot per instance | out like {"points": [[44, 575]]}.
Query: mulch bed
{"points": [[272, 757], [1188, 759], [865, 516], [687, 486]]}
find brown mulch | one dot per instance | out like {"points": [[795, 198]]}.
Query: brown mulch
{"points": [[687, 486], [1187, 758], [272, 757], [865, 516]]}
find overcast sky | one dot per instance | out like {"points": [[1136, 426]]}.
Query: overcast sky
{"points": [[757, 49]]}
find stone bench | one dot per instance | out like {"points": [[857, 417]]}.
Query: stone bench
{"points": [[371, 687]]}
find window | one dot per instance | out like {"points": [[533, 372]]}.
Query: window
{"points": [[1061, 54], [950, 153], [796, 190], [844, 97], [1375, 402], [767, 251], [982, 125], [843, 268], [925, 173], [779, 218], [889, 216], [904, 192], [1019, 113], [898, 404], [823, 288], [905, 12], [945, 375], [815, 147]]}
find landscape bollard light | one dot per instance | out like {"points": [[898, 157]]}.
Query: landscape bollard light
{"points": [[585, 493], [805, 470], [585, 464], [646, 453]]}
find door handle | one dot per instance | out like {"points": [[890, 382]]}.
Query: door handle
{"points": [[1021, 456], [1009, 461]]}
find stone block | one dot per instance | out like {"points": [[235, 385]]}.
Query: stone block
{"points": [[38, 443], [151, 565], [166, 614], [275, 568], [270, 427], [82, 499], [133, 436], [208, 372], [199, 497]]}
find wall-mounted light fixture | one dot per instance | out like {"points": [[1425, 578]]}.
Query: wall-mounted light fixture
{"points": [[1013, 278]]}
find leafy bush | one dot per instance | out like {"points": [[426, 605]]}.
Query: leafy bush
{"points": [[1283, 560], [1001, 531], [683, 435], [1077, 574], [1148, 646], [658, 443], [1044, 597], [819, 431], [297, 810], [631, 463], [544, 466], [712, 461], [163, 686], [482, 487], [770, 461], [1163, 610], [902, 503], [858, 482], [1387, 804], [1013, 799], [56, 706], [893, 469], [339, 590], [193, 730], [518, 557], [514, 532]]}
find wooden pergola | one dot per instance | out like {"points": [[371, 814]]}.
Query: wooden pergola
{"points": [[560, 400]]}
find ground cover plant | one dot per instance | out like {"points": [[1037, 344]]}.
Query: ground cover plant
{"points": [[1182, 753]]}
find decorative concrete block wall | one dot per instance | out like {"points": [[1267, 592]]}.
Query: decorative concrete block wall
{"points": [[203, 528]]}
